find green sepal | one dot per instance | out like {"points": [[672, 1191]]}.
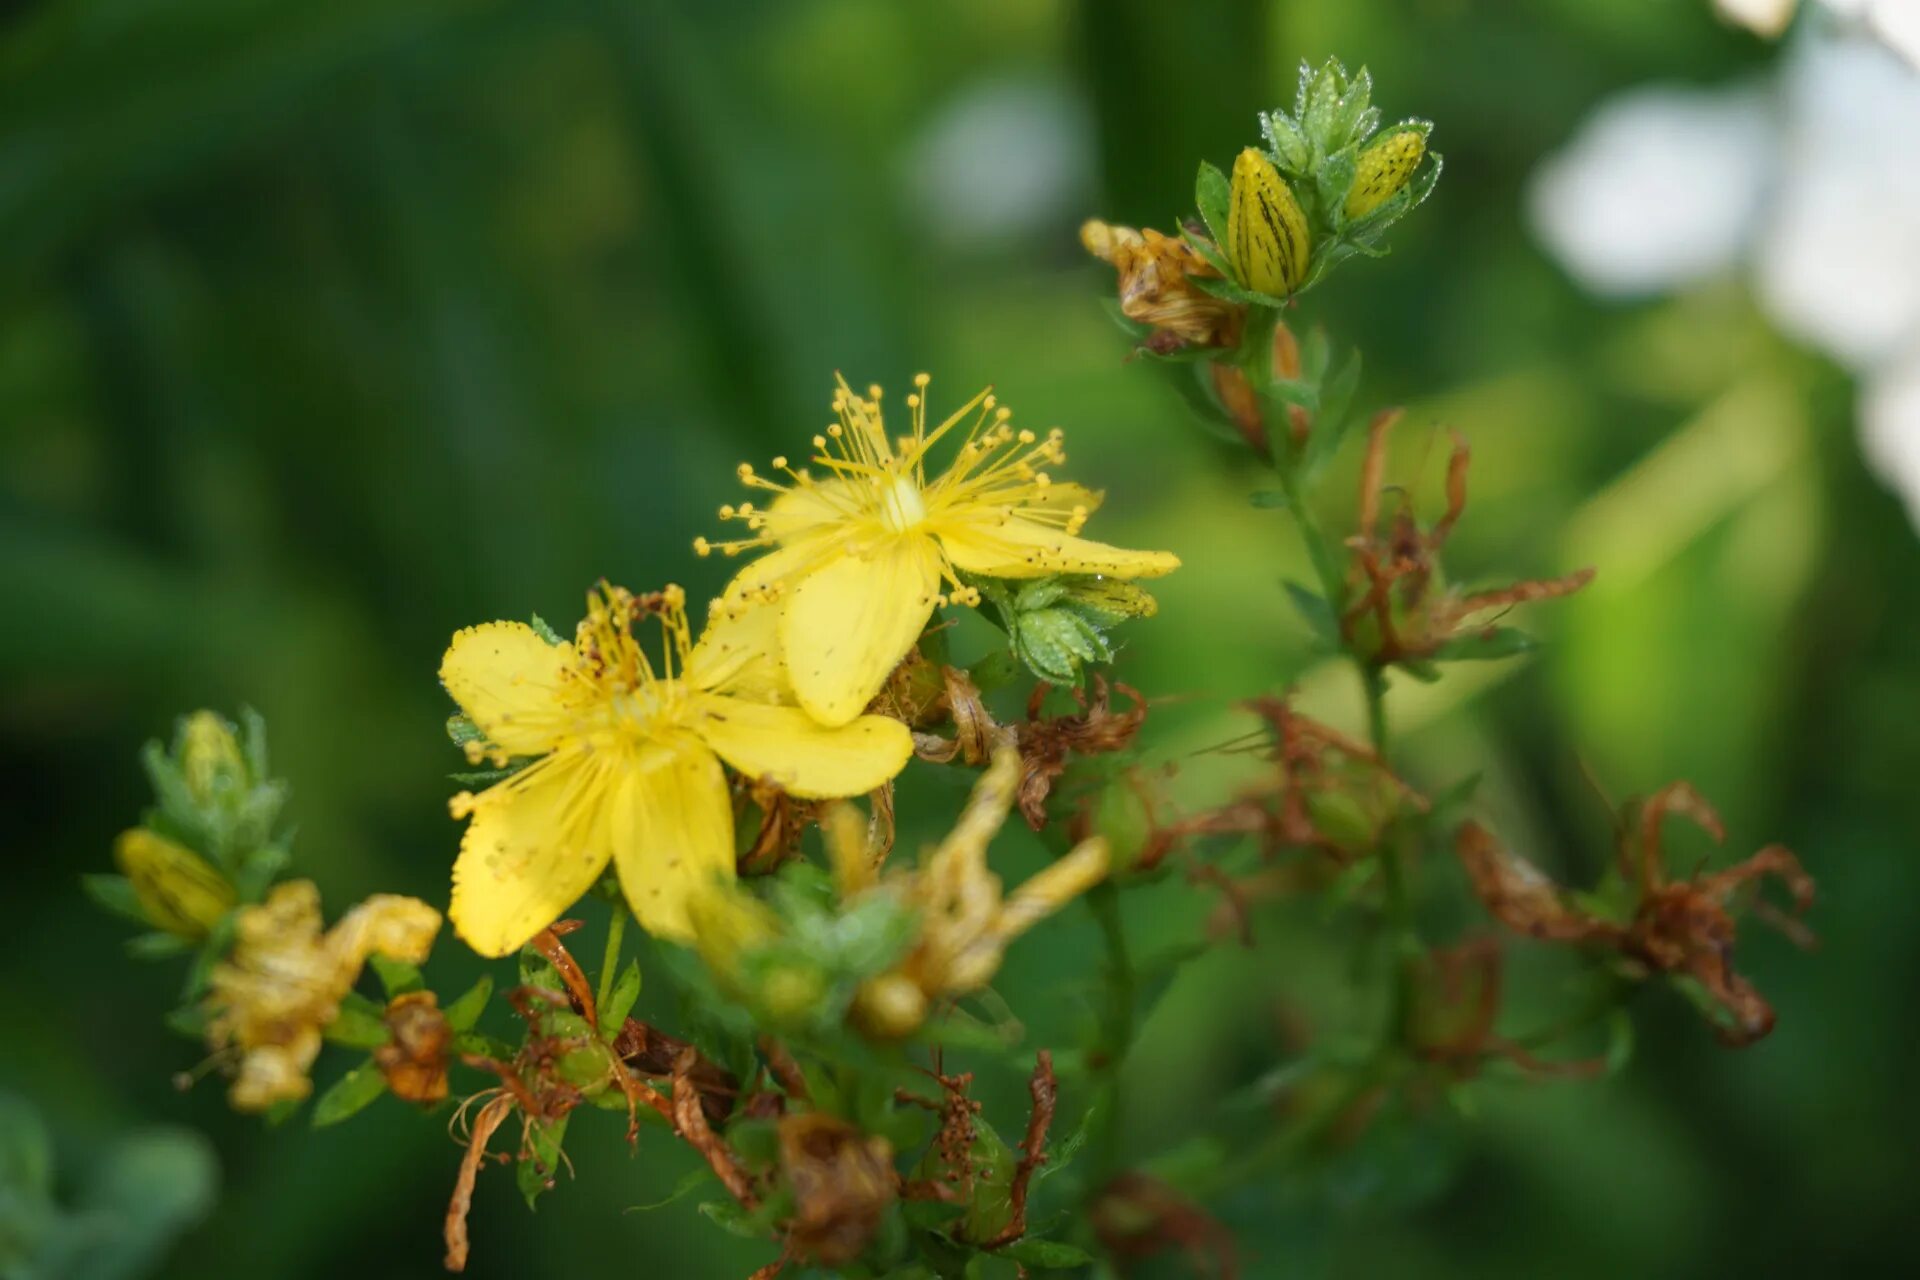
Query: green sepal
{"points": [[351, 1093]]}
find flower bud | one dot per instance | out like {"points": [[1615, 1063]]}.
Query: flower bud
{"points": [[210, 757], [1267, 236], [178, 891], [890, 1007], [1383, 169]]}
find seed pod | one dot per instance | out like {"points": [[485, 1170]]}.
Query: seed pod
{"points": [[178, 890], [1384, 167], [1267, 236]]}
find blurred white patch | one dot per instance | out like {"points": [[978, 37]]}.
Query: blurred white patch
{"points": [[1897, 22], [1004, 159], [1890, 428], [1839, 262], [1660, 187], [1767, 17]]}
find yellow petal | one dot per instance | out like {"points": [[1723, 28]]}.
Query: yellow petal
{"points": [[1010, 547], [845, 626], [536, 843], [511, 683], [777, 568], [672, 836], [804, 508], [794, 751], [1065, 495], [739, 653]]}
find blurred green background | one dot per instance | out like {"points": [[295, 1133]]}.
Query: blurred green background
{"points": [[326, 329]]}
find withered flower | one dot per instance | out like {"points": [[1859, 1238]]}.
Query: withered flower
{"points": [[1456, 1002], [1047, 743], [966, 920], [1327, 792], [414, 1059], [1139, 1217], [283, 983], [842, 1182], [1157, 289], [1677, 927], [1400, 607]]}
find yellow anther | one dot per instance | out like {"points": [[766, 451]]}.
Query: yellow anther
{"points": [[780, 463], [1027, 437], [702, 548]]}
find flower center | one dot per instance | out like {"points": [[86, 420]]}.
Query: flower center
{"points": [[901, 507]]}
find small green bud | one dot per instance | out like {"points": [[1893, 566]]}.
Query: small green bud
{"points": [[210, 758]]}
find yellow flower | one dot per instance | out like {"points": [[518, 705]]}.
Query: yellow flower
{"points": [[857, 558], [178, 890], [966, 921], [1267, 235], [629, 767], [285, 979]]}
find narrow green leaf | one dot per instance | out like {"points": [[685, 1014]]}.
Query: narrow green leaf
{"points": [[614, 1009], [464, 1012], [1268, 499], [536, 1172], [360, 1024], [351, 1093], [1212, 195], [397, 976], [1316, 612], [1486, 646], [157, 946], [115, 894], [1048, 1255]]}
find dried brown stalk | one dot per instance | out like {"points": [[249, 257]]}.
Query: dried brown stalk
{"points": [[489, 1119], [1033, 1150]]}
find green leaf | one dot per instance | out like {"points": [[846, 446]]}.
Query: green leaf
{"points": [[1619, 1041], [545, 632], [1316, 612], [1048, 1255], [463, 1013], [1486, 646], [1212, 195], [463, 731], [115, 894], [360, 1024], [157, 946], [351, 1093], [536, 1171], [1287, 143], [397, 976], [1268, 499], [1334, 422], [619, 1002]]}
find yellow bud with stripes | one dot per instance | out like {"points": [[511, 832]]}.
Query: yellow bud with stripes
{"points": [[178, 890], [1267, 236], [1383, 168]]}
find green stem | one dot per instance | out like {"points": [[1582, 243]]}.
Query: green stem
{"points": [[610, 960], [1117, 1036]]}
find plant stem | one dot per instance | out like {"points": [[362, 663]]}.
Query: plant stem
{"points": [[1117, 1036], [610, 960]]}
